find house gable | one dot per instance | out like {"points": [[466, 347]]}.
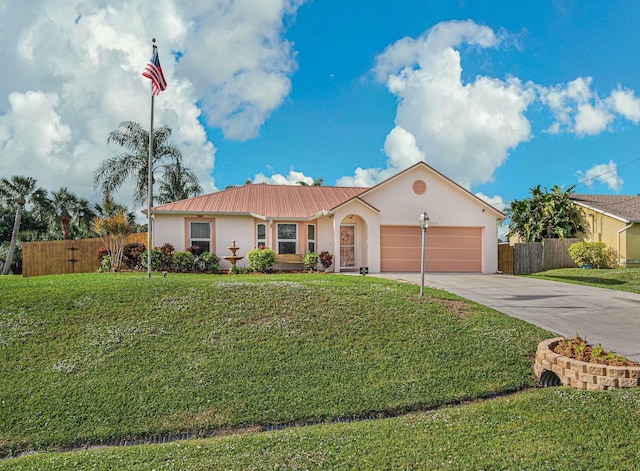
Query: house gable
{"points": [[420, 188]]}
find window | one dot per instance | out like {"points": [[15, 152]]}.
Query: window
{"points": [[200, 235], [311, 238], [261, 235], [287, 238]]}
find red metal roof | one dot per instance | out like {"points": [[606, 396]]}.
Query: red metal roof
{"points": [[270, 201]]}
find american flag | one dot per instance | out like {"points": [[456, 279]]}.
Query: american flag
{"points": [[153, 71]]}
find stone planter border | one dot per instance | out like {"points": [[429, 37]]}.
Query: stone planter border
{"points": [[580, 374]]}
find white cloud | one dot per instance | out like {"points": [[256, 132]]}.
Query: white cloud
{"points": [[463, 129], [34, 125], [578, 109], [402, 148], [238, 61], [364, 177], [606, 174], [496, 201], [278, 179], [76, 74], [627, 104], [592, 120]]}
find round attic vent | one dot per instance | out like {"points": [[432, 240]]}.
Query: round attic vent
{"points": [[419, 187]]}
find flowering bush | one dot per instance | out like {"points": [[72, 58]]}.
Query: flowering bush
{"points": [[261, 259]]}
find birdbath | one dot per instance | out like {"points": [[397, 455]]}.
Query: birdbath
{"points": [[233, 258]]}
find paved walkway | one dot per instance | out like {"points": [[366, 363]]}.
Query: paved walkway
{"points": [[600, 315]]}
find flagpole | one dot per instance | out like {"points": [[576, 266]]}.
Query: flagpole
{"points": [[150, 180]]}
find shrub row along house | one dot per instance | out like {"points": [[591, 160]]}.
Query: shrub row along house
{"points": [[375, 227]]}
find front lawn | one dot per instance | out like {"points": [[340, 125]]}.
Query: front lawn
{"points": [[538, 429], [102, 358]]}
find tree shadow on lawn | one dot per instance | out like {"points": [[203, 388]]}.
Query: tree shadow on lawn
{"points": [[588, 279]]}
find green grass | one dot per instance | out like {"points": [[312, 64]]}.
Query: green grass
{"points": [[538, 429], [96, 358], [622, 279]]}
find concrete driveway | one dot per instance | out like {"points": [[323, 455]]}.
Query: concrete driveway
{"points": [[600, 315]]}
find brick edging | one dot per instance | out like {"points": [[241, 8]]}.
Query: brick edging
{"points": [[581, 374]]}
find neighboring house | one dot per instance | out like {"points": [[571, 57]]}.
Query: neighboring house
{"points": [[375, 227], [614, 220]]}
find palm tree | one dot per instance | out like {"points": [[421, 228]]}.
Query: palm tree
{"points": [[17, 191], [109, 207], [64, 208], [133, 162], [178, 183]]}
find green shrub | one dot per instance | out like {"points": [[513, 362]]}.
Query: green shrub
{"points": [[311, 260], [105, 265], [183, 261], [159, 260], [261, 259], [210, 261], [593, 254]]}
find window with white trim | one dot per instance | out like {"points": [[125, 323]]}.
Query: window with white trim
{"points": [[311, 237], [200, 235], [287, 238], [261, 235]]}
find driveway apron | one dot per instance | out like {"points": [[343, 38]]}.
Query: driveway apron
{"points": [[600, 315]]}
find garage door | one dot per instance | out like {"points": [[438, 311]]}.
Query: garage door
{"points": [[449, 249]]}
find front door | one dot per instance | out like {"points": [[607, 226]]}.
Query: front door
{"points": [[348, 246]]}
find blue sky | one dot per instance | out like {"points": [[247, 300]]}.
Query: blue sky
{"points": [[499, 96], [338, 116]]}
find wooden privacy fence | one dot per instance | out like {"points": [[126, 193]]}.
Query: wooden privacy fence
{"points": [[533, 257], [56, 257], [505, 259]]}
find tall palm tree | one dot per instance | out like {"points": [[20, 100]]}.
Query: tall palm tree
{"points": [[17, 192], [178, 183], [133, 161], [64, 208]]}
